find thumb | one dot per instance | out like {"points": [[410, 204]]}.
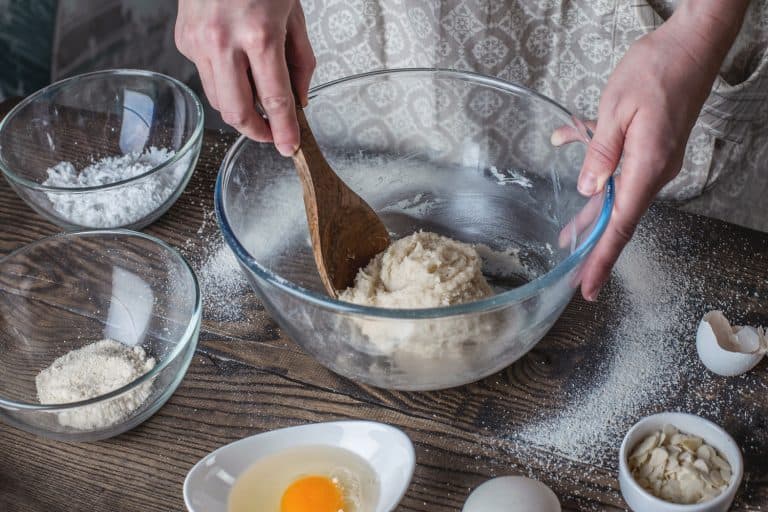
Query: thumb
{"points": [[603, 156]]}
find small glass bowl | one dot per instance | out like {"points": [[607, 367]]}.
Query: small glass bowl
{"points": [[88, 117], [70, 290]]}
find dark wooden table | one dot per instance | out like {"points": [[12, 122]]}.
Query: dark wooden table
{"points": [[247, 378]]}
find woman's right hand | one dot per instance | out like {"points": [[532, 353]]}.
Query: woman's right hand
{"points": [[268, 38]]}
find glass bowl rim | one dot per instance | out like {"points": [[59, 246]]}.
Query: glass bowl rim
{"points": [[185, 149], [187, 339], [491, 303]]}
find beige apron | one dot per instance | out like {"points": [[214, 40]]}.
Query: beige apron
{"points": [[565, 49]]}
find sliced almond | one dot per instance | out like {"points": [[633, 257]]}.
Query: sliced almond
{"points": [[719, 462], [648, 444], [701, 465], [705, 452], [659, 457], [669, 430], [692, 443]]}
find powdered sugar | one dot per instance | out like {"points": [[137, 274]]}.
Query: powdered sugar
{"points": [[110, 169], [123, 205]]}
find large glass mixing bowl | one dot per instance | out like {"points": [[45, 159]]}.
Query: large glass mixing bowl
{"points": [[455, 153]]}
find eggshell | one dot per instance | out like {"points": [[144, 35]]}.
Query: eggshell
{"points": [[727, 350], [512, 494]]}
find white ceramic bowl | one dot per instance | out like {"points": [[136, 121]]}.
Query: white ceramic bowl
{"points": [[641, 500], [388, 451]]}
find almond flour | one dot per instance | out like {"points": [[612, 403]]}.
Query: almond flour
{"points": [[115, 207], [91, 371]]}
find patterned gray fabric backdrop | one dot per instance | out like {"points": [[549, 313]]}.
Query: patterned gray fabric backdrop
{"points": [[565, 49]]}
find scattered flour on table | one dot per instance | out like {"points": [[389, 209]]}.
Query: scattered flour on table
{"points": [[645, 362], [113, 207], [91, 371], [271, 229], [222, 281], [637, 367]]}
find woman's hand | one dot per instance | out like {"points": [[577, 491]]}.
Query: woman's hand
{"points": [[646, 112], [227, 40]]}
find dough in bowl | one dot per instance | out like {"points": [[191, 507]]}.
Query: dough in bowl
{"points": [[422, 270]]}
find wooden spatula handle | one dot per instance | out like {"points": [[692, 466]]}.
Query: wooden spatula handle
{"points": [[346, 233]]}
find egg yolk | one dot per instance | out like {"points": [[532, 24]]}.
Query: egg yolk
{"points": [[312, 494]]}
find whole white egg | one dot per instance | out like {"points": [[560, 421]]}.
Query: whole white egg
{"points": [[512, 494]]}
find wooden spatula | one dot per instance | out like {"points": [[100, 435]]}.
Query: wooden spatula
{"points": [[346, 233]]}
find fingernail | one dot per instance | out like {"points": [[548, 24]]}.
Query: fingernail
{"points": [[287, 149], [556, 139], [592, 296], [587, 184]]}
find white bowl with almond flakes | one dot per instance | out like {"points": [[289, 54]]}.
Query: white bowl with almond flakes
{"points": [[677, 457]]}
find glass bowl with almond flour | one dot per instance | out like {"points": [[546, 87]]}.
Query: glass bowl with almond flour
{"points": [[456, 154], [97, 330], [108, 149]]}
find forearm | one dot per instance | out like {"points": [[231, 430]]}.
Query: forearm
{"points": [[708, 29]]}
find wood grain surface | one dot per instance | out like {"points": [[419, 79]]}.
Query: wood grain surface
{"points": [[247, 378]]}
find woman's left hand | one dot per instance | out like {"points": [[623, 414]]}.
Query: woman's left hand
{"points": [[646, 113]]}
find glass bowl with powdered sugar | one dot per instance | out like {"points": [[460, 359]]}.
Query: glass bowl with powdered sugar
{"points": [[490, 230], [97, 330], [103, 150]]}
